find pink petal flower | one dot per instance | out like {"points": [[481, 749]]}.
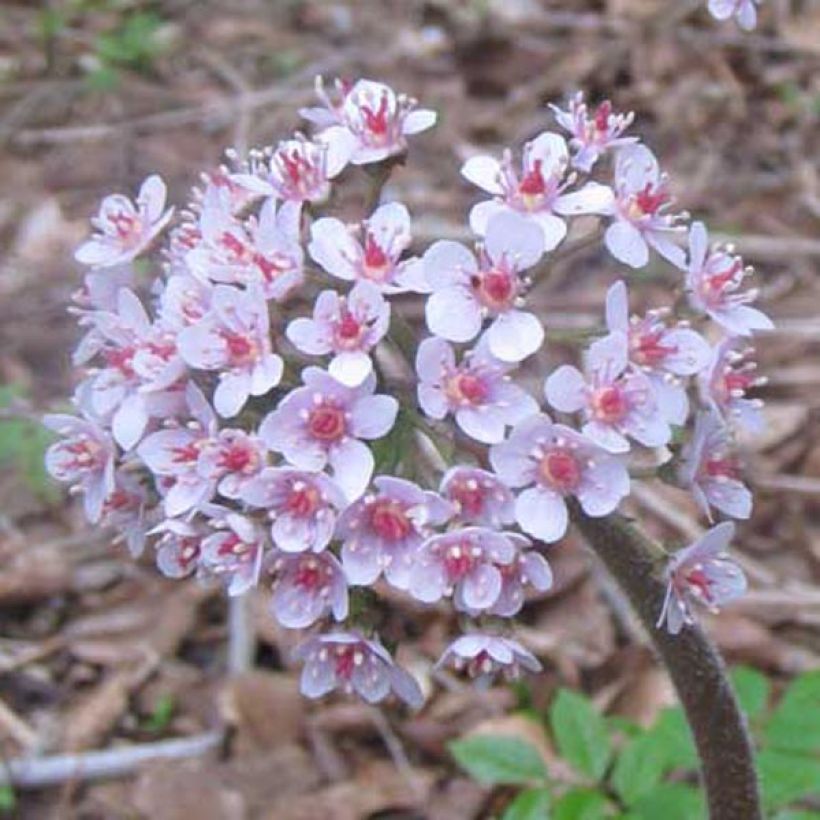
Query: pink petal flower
{"points": [[484, 656]]}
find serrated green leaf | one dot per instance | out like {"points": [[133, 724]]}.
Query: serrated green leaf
{"points": [[581, 804], [670, 801], [491, 759], [532, 804], [752, 689], [580, 733], [786, 777], [795, 723]]}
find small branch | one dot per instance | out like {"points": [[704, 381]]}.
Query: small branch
{"points": [[696, 669], [241, 638], [35, 772]]}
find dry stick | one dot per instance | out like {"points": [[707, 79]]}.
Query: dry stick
{"points": [[35, 772], [696, 669]]}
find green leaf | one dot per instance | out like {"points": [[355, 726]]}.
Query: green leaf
{"points": [[752, 689], [675, 739], [494, 760], [581, 804], [8, 800], [786, 777], [801, 814], [640, 766], [580, 733], [795, 723], [160, 718], [670, 801], [532, 804]]}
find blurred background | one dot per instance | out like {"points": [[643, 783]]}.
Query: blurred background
{"points": [[100, 652]]}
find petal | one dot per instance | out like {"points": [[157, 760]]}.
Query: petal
{"points": [[625, 242], [231, 393], [551, 150], [593, 198], [481, 588], [483, 212], [351, 367], [352, 464], [605, 484], [514, 335], [129, 422], [553, 229], [309, 336], [484, 172], [691, 351], [484, 424], [453, 314], [332, 247], [698, 245], [434, 357], [433, 401], [373, 416], [541, 514], [617, 307], [565, 389], [663, 243], [605, 436], [419, 120], [516, 238], [448, 263]]}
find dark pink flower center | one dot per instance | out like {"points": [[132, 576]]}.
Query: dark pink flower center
{"points": [[648, 348], [376, 260], [651, 198], [726, 467], [303, 500], [602, 114], [470, 496], [389, 520], [185, 453], [699, 580], [495, 288], [125, 224], [236, 457], [84, 453], [533, 184], [309, 575], [466, 388], [458, 561], [346, 661], [376, 121], [610, 404], [560, 469], [122, 359], [241, 349], [348, 329], [295, 165], [327, 423]]}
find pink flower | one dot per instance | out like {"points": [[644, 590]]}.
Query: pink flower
{"points": [[701, 573], [350, 662], [537, 193], [711, 470], [302, 505], [125, 510], [478, 497], [376, 258], [234, 554], [125, 228], [664, 354], [553, 461], [349, 327], [593, 135], [184, 301], [322, 423], [173, 454], [640, 220], [231, 459], [381, 532], [731, 373], [179, 547], [466, 564], [234, 338], [298, 169], [264, 251], [616, 402], [83, 458], [484, 656], [744, 11], [466, 290], [378, 119], [478, 391], [528, 568], [308, 585], [713, 280]]}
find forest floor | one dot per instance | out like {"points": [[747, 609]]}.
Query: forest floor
{"points": [[100, 652]]}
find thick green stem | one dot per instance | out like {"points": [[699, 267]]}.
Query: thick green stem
{"points": [[696, 669]]}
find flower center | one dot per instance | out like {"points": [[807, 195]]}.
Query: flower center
{"points": [[533, 186], [495, 288], [327, 423], [602, 114], [389, 520], [303, 500], [725, 467], [609, 404], [560, 469], [348, 330], [122, 359], [458, 561], [376, 261], [236, 457], [241, 349], [309, 575], [347, 659], [701, 586], [466, 388], [648, 349], [648, 201], [470, 497], [376, 121]]}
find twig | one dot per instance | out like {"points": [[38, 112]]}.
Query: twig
{"points": [[15, 727], [35, 772]]}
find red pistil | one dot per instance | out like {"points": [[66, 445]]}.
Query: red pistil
{"points": [[389, 520], [533, 182], [610, 404], [327, 423], [376, 120], [650, 199], [560, 469]]}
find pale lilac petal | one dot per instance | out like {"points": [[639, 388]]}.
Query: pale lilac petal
{"points": [[309, 336], [542, 514], [419, 120], [453, 314], [605, 484], [129, 422], [481, 588], [617, 307], [373, 416], [673, 402], [515, 238], [434, 357], [626, 243], [692, 351], [482, 213], [448, 263], [592, 198], [484, 424], [485, 173], [606, 437], [351, 367], [663, 243], [352, 464], [231, 393], [565, 389], [551, 150], [731, 497], [514, 335], [332, 247]]}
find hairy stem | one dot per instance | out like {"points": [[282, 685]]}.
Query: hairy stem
{"points": [[696, 669]]}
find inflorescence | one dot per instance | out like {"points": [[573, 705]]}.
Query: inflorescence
{"points": [[248, 444]]}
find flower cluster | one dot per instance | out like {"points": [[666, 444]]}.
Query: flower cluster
{"points": [[251, 438], [744, 12]]}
